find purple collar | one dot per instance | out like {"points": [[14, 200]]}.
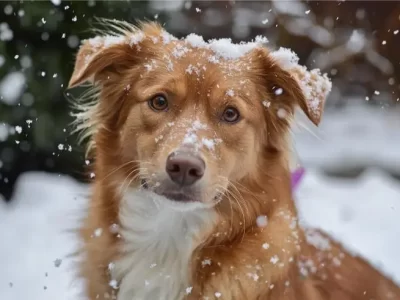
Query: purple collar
{"points": [[296, 177]]}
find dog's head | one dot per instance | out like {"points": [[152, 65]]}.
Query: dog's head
{"points": [[189, 117]]}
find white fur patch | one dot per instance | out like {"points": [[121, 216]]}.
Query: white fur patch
{"points": [[159, 237]]}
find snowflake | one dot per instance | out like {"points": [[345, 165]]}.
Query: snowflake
{"points": [[114, 284], [98, 232], [18, 129], [57, 262], [262, 221], [274, 259], [278, 91], [230, 93], [206, 262]]}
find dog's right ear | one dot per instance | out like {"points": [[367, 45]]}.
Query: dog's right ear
{"points": [[103, 53], [114, 52]]}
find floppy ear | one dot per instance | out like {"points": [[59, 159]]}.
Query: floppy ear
{"points": [[310, 88], [94, 57], [101, 53]]}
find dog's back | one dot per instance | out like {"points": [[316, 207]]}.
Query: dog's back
{"points": [[334, 274]]}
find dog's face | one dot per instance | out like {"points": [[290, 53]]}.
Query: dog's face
{"points": [[194, 128], [192, 121]]}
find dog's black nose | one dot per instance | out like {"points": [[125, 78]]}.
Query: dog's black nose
{"points": [[185, 169]]}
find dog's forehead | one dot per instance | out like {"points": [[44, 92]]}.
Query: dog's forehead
{"points": [[202, 71], [196, 60]]}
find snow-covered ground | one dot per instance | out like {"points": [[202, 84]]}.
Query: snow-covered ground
{"points": [[354, 137], [363, 213], [34, 230]]}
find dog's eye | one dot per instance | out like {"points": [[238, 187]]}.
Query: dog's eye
{"points": [[231, 115], [158, 103]]}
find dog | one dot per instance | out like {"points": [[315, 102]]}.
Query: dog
{"points": [[192, 195]]}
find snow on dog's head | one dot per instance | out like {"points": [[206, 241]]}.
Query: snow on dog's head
{"points": [[315, 87], [185, 117]]}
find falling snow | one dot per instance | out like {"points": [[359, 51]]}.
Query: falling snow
{"points": [[114, 228], [230, 93], [262, 221], [315, 238], [11, 87], [278, 91], [18, 129], [274, 259], [267, 104], [111, 266], [281, 113], [114, 284], [57, 262], [6, 34], [206, 262], [98, 232]]}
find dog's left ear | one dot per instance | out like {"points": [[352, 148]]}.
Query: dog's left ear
{"points": [[309, 88]]}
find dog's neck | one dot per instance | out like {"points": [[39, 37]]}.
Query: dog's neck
{"points": [[162, 247], [158, 242], [238, 230]]}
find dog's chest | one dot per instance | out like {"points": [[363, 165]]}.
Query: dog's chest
{"points": [[158, 242]]}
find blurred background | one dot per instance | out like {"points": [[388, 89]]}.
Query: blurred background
{"points": [[356, 42], [352, 185]]}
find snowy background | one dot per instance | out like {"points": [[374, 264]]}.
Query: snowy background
{"points": [[352, 185], [362, 212]]}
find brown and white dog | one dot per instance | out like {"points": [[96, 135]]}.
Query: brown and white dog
{"points": [[192, 196]]}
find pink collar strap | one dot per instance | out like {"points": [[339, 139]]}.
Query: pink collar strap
{"points": [[297, 175]]}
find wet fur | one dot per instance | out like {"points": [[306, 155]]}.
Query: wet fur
{"points": [[212, 253]]}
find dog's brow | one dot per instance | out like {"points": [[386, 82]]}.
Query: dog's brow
{"points": [[156, 84], [247, 99]]}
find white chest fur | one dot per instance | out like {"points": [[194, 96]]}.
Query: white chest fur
{"points": [[158, 240]]}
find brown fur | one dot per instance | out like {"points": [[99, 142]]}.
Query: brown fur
{"points": [[252, 167]]}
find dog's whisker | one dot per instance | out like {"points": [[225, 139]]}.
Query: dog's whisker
{"points": [[231, 184], [233, 197], [123, 188], [124, 165], [117, 169], [222, 190]]}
